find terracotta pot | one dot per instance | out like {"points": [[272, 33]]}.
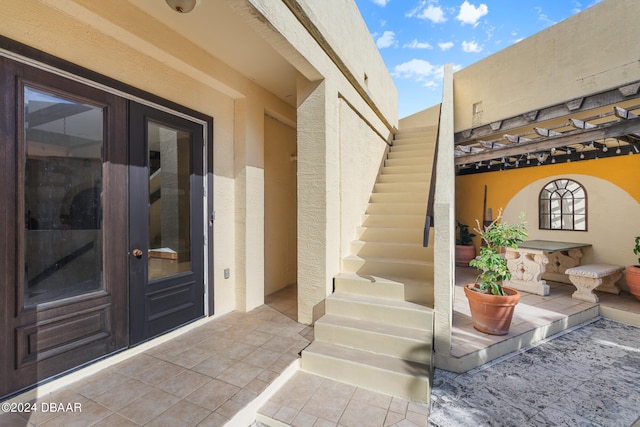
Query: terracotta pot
{"points": [[633, 280], [464, 254], [492, 314]]}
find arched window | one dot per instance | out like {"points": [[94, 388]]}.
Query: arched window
{"points": [[563, 206]]}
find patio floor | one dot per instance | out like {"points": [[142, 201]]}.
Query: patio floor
{"points": [[204, 377], [536, 318], [224, 370]]}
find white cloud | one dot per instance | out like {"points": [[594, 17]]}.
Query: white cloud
{"points": [[416, 69], [387, 39], [434, 14], [382, 3], [471, 46], [415, 44], [470, 14], [445, 46], [420, 71]]}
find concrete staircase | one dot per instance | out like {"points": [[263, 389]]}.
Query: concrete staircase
{"points": [[378, 327]]}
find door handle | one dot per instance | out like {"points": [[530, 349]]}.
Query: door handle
{"points": [[136, 253]]}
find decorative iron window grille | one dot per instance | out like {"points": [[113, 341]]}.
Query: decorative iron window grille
{"points": [[563, 206]]}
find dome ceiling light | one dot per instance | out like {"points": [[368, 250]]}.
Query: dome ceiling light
{"points": [[182, 6]]}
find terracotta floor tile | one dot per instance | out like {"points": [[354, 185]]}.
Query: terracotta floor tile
{"points": [[148, 407], [213, 394], [183, 414], [184, 383], [123, 394]]}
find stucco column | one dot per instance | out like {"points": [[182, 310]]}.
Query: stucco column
{"points": [[318, 197], [444, 223], [249, 205]]}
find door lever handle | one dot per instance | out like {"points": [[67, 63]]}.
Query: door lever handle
{"points": [[136, 253]]}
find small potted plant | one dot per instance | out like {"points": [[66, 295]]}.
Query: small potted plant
{"points": [[491, 304], [633, 272], [465, 250]]}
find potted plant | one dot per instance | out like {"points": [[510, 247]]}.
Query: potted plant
{"points": [[633, 272], [491, 304], [465, 251]]}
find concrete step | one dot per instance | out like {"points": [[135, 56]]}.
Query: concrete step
{"points": [[431, 131], [393, 221], [390, 234], [401, 187], [390, 375], [377, 337], [370, 286], [405, 177], [376, 309], [388, 267], [413, 144], [401, 170], [397, 208], [425, 161], [419, 151], [401, 289], [398, 197], [397, 250]]}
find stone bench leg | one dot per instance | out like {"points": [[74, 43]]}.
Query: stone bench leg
{"points": [[609, 284], [586, 285]]}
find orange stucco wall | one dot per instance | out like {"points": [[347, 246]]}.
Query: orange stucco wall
{"points": [[502, 186]]}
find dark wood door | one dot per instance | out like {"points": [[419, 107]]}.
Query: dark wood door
{"points": [[166, 225], [63, 225]]}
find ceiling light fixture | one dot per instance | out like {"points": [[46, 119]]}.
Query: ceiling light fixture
{"points": [[182, 6]]}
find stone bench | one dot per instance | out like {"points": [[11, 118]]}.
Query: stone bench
{"points": [[590, 277]]}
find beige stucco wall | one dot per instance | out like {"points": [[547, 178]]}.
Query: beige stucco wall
{"points": [[322, 89], [590, 52], [82, 33], [124, 42], [428, 117], [340, 20], [280, 206], [612, 217]]}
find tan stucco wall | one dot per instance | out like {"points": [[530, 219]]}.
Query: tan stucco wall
{"points": [[428, 117], [579, 56], [360, 160], [123, 42], [280, 206], [613, 202], [82, 33], [321, 143], [340, 20]]}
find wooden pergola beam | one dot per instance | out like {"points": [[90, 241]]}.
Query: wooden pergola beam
{"points": [[626, 127]]}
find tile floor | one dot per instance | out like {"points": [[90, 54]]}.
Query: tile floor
{"points": [[309, 400], [203, 377]]}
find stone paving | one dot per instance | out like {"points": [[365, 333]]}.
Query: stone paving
{"points": [[586, 376]]}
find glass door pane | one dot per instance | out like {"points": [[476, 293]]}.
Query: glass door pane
{"points": [[169, 200], [63, 146]]}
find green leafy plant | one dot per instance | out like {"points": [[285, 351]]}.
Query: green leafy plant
{"points": [[636, 249], [493, 267], [465, 237]]}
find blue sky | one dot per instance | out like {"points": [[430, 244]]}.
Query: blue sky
{"points": [[417, 37]]}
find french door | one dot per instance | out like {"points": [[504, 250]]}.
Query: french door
{"points": [[166, 181], [63, 234], [101, 224]]}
